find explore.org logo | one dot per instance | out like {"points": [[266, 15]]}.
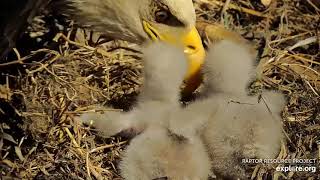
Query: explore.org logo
{"points": [[297, 168], [288, 165]]}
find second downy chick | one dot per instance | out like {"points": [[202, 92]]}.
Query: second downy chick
{"points": [[234, 125]]}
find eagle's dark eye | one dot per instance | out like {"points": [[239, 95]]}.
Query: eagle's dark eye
{"points": [[162, 16]]}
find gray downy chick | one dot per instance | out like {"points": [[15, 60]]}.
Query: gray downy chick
{"points": [[164, 67], [159, 152], [240, 126]]}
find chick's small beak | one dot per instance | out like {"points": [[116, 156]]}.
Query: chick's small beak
{"points": [[192, 44]]}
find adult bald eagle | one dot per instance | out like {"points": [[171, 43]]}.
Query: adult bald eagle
{"points": [[137, 21]]}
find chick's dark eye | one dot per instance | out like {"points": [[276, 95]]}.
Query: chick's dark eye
{"points": [[161, 16]]}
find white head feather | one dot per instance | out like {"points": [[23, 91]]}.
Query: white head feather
{"points": [[122, 19]]}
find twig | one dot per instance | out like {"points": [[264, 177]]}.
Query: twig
{"points": [[44, 66], [313, 5], [304, 42], [106, 147], [224, 9], [235, 7], [81, 153], [313, 90], [19, 61], [98, 50]]}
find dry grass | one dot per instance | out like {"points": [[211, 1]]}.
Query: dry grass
{"points": [[39, 137]]}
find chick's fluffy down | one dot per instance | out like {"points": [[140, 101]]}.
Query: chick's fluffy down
{"points": [[240, 126], [214, 133], [158, 153]]}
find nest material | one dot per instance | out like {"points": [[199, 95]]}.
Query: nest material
{"points": [[41, 139]]}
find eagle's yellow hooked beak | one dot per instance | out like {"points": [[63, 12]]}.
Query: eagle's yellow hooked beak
{"points": [[191, 42]]}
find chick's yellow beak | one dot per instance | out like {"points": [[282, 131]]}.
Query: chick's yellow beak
{"points": [[191, 42]]}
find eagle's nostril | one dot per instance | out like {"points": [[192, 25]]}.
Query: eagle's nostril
{"points": [[191, 47], [161, 178]]}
